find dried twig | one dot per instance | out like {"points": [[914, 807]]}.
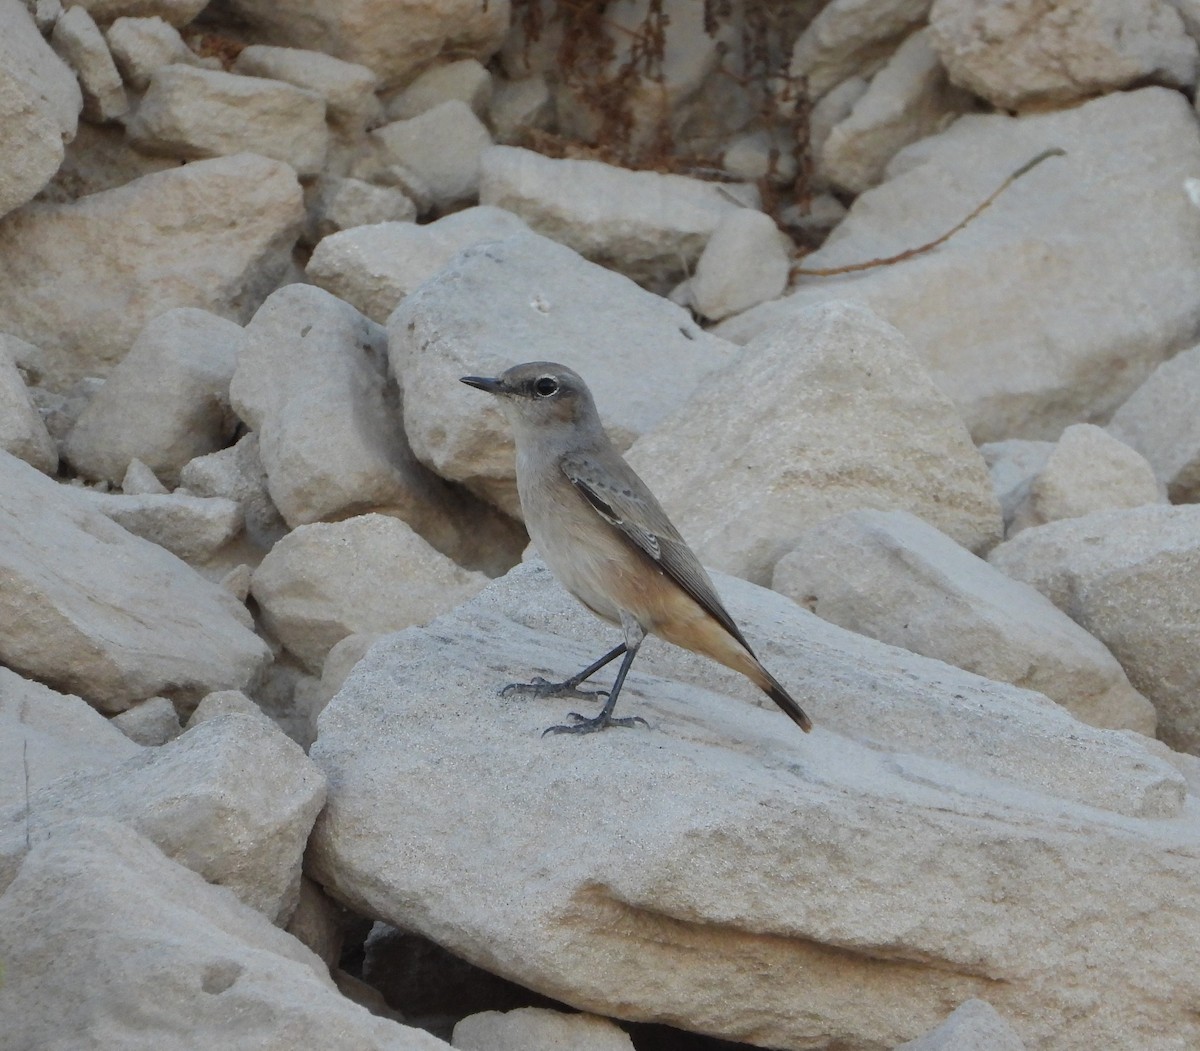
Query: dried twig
{"points": [[910, 252]]}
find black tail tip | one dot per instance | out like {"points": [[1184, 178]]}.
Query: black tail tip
{"points": [[790, 708]]}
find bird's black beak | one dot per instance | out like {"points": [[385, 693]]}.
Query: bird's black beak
{"points": [[492, 386]]}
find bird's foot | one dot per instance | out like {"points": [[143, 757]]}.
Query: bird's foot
{"points": [[583, 725], [540, 687]]}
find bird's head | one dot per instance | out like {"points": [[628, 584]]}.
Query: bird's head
{"points": [[541, 396]]}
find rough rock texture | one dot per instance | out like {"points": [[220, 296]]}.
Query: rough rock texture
{"points": [[466, 80], [176, 12], [744, 263], [83, 295], [193, 798], [854, 422], [39, 106], [79, 42], [648, 226], [152, 723], [342, 204], [140, 46], [312, 383], [166, 401], [1131, 578], [1035, 341], [109, 944], [371, 573], [22, 430], [1012, 465], [1088, 471], [888, 575], [92, 609], [237, 473], [194, 528], [924, 845], [1161, 422], [528, 299], [347, 88], [972, 1026], [537, 1029], [193, 113], [1038, 52], [374, 267], [394, 39]]}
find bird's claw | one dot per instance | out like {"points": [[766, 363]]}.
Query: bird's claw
{"points": [[540, 687], [584, 725]]}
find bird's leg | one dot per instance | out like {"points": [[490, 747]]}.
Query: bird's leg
{"points": [[569, 687], [582, 725]]}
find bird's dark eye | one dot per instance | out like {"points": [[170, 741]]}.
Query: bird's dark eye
{"points": [[545, 387]]}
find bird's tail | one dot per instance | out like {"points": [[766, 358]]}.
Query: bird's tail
{"points": [[771, 687]]}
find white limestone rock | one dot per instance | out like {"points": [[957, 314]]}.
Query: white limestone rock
{"points": [[194, 528], [193, 798], [222, 702], [519, 106], [40, 102], [744, 263], [22, 430], [139, 480], [650, 227], [973, 1025], [538, 1029], [45, 735], [1013, 465], [848, 37], [238, 474], [374, 267], [396, 40], [165, 403], [888, 575], [193, 113], [528, 299], [1088, 470], [442, 146], [926, 844], [370, 573], [78, 41], [834, 413], [342, 204], [908, 99], [1075, 340], [1132, 579], [1054, 52], [177, 12], [141, 46], [347, 87], [830, 110], [82, 279], [94, 610], [151, 723], [110, 944], [464, 79], [1160, 421]]}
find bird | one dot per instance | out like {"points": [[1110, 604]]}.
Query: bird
{"points": [[608, 541]]}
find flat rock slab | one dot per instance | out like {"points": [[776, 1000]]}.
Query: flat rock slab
{"points": [[721, 871], [89, 608]]}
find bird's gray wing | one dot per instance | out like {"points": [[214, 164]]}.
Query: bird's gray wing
{"points": [[622, 499]]}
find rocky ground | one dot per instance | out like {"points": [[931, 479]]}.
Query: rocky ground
{"points": [[262, 569]]}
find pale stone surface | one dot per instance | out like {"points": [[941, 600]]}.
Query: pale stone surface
{"points": [[340, 661], [343, 203], [465, 80], [744, 263], [40, 102], [888, 575], [60, 411], [318, 923], [193, 798], [907, 100], [78, 41], [1074, 341], [22, 430], [538, 1029], [442, 147], [370, 573], [1012, 465], [95, 610], [1161, 422], [153, 722], [856, 423], [99, 158], [45, 735], [165, 403], [141, 46], [394, 39], [758, 853], [83, 295], [139, 480], [347, 87], [848, 36], [237, 473], [646, 225], [312, 382], [194, 113], [109, 944], [176, 12], [1088, 470], [194, 528], [374, 267], [835, 106], [221, 702], [1038, 52], [519, 106], [972, 1026], [528, 299], [1132, 579]]}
